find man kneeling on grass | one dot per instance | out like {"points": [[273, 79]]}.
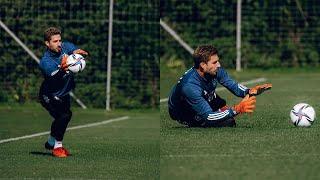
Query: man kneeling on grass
{"points": [[193, 100]]}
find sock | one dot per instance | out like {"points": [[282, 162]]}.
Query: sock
{"points": [[57, 144], [51, 140]]}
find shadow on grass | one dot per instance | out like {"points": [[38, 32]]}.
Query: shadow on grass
{"points": [[237, 127], [40, 153]]}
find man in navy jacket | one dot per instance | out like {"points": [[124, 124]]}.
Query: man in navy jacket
{"points": [[54, 91], [193, 100]]}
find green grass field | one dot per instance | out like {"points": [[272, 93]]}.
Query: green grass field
{"points": [[264, 145], [127, 149]]}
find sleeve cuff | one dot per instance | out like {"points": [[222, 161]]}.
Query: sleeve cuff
{"points": [[247, 91], [232, 112]]}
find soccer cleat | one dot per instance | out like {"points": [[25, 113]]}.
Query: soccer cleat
{"points": [[60, 152], [66, 151], [48, 146]]}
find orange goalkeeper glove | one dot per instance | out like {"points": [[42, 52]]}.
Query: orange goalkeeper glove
{"points": [[247, 105], [259, 89], [63, 64], [80, 51]]}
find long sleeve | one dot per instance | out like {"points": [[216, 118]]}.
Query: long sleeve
{"points": [[233, 86]]}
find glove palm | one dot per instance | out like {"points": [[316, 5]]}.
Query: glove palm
{"points": [[247, 105], [80, 51], [63, 64], [259, 89]]}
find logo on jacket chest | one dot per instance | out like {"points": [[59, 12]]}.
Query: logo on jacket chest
{"points": [[209, 96]]}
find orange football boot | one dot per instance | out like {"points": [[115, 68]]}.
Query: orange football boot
{"points": [[60, 152]]}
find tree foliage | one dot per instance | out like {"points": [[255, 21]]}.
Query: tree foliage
{"points": [[274, 33]]}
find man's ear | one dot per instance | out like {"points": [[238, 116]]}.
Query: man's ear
{"points": [[47, 43], [202, 65]]}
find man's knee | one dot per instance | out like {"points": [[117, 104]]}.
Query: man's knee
{"points": [[231, 122], [225, 123], [66, 116], [172, 114]]}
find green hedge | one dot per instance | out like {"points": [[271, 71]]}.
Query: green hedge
{"points": [[274, 33]]}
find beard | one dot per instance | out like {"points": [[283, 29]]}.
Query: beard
{"points": [[210, 74]]}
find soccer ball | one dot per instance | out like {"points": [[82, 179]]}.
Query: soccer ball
{"points": [[76, 63], [302, 115]]}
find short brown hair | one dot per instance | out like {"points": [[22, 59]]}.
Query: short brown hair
{"points": [[203, 54], [50, 32]]}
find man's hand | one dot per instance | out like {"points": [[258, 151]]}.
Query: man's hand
{"points": [[80, 51], [259, 89], [63, 64], [247, 105]]}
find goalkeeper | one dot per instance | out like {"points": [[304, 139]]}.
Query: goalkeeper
{"points": [[194, 102], [54, 91]]}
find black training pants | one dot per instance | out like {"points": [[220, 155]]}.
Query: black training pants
{"points": [[189, 117], [59, 109]]}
